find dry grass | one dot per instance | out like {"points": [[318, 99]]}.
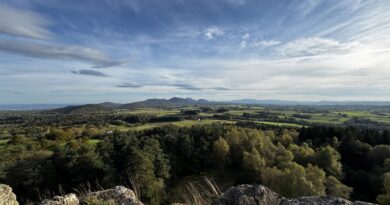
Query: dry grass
{"points": [[83, 192], [135, 184], [202, 193]]}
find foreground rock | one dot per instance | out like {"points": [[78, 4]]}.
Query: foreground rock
{"points": [[317, 200], [261, 195], [239, 195], [7, 197], [119, 195], [69, 199], [248, 195]]}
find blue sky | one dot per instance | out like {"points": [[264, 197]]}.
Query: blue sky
{"points": [[83, 51]]}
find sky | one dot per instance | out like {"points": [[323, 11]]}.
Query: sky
{"points": [[90, 51]]}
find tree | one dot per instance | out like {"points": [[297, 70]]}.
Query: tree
{"points": [[285, 139], [317, 177], [329, 160], [220, 153], [76, 164], [59, 134], [295, 180], [283, 157], [335, 188], [378, 154], [303, 154], [27, 174], [90, 132], [384, 199], [253, 163], [151, 148]]}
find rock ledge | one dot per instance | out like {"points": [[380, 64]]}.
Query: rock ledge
{"points": [[238, 195], [261, 195]]}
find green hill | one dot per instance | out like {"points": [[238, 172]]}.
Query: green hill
{"points": [[81, 109]]}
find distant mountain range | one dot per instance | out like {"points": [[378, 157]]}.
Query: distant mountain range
{"points": [[30, 106], [178, 102], [318, 103], [163, 103], [150, 103]]}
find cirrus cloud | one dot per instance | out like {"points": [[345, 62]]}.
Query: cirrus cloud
{"points": [[58, 52], [314, 46], [90, 72], [19, 22]]}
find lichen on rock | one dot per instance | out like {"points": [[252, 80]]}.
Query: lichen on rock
{"points": [[69, 199], [117, 195], [7, 197]]}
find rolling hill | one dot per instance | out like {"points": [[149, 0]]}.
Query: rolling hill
{"points": [[163, 103], [81, 109]]}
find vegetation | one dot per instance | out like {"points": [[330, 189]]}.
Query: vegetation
{"points": [[157, 151]]}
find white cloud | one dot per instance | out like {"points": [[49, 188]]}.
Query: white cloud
{"points": [[212, 32], [314, 46], [18, 22], [359, 74], [265, 43], [238, 2], [243, 44], [246, 36]]}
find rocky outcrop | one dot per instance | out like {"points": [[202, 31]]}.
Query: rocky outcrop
{"points": [[119, 195], [238, 195], [69, 199], [248, 195], [7, 197], [261, 195], [321, 200]]}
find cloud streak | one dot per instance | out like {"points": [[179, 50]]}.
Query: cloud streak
{"points": [[24, 23], [314, 46], [181, 86], [57, 52], [90, 72]]}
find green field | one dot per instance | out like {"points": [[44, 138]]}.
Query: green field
{"points": [[187, 123], [281, 124], [285, 116], [152, 111], [184, 123], [94, 141], [242, 111]]}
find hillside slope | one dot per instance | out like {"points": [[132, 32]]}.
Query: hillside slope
{"points": [[81, 109], [163, 103]]}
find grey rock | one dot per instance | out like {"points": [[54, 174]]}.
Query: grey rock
{"points": [[320, 200], [261, 195], [7, 197], [362, 203], [119, 195], [249, 195], [69, 199]]}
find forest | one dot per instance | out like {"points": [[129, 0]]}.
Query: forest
{"points": [[41, 158]]}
